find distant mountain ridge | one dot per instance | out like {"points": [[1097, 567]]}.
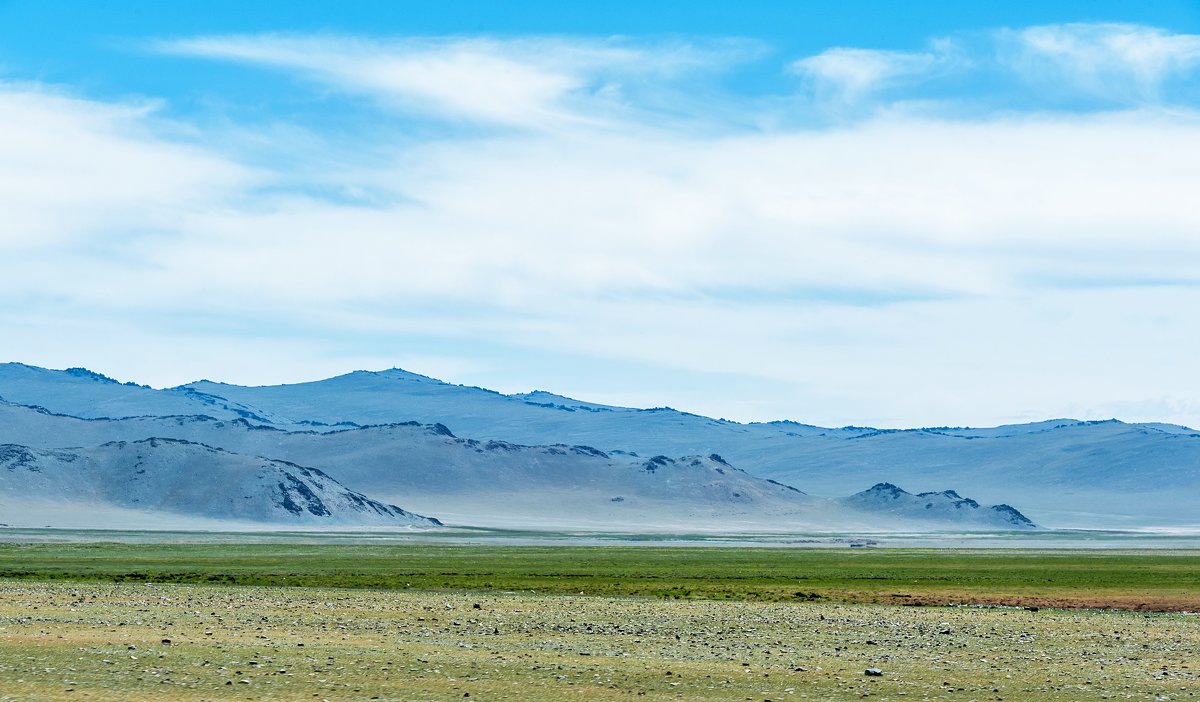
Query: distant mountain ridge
{"points": [[1063, 472], [947, 504], [490, 482]]}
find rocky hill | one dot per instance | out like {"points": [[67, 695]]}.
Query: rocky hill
{"points": [[177, 480]]}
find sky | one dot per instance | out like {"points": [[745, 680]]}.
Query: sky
{"points": [[853, 212]]}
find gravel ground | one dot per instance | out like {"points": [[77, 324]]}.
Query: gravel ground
{"points": [[61, 641]]}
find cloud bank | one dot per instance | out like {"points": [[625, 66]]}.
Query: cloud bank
{"points": [[996, 227]]}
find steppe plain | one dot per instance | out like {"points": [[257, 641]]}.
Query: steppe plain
{"points": [[486, 622]]}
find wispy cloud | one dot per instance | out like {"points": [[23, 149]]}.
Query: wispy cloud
{"points": [[848, 75], [1120, 63], [530, 83], [1063, 66]]}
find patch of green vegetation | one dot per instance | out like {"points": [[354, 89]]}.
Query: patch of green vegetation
{"points": [[1052, 578]]}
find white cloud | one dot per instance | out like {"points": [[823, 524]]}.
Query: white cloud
{"points": [[849, 74], [886, 209], [75, 168], [1120, 62], [1059, 66]]}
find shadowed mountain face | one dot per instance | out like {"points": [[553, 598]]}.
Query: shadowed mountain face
{"points": [[945, 506], [186, 479], [1061, 472]]}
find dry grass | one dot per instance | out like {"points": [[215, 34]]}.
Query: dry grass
{"points": [[95, 641]]}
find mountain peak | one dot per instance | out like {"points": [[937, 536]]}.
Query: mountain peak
{"points": [[893, 491], [946, 493], [401, 374]]}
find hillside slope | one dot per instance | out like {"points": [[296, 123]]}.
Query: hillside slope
{"points": [[177, 479]]}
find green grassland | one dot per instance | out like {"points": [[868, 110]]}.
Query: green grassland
{"points": [[1098, 579]]}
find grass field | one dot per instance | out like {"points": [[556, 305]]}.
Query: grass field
{"points": [[1096, 579], [431, 622]]}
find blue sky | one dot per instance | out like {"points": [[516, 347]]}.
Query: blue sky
{"points": [[897, 214]]}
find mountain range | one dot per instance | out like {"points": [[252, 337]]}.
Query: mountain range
{"points": [[474, 456]]}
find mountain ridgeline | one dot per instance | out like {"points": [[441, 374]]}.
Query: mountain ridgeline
{"points": [[472, 456]]}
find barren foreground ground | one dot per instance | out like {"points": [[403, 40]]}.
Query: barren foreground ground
{"points": [[126, 641]]}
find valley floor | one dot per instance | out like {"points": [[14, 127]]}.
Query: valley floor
{"points": [[127, 641], [1156, 580]]}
